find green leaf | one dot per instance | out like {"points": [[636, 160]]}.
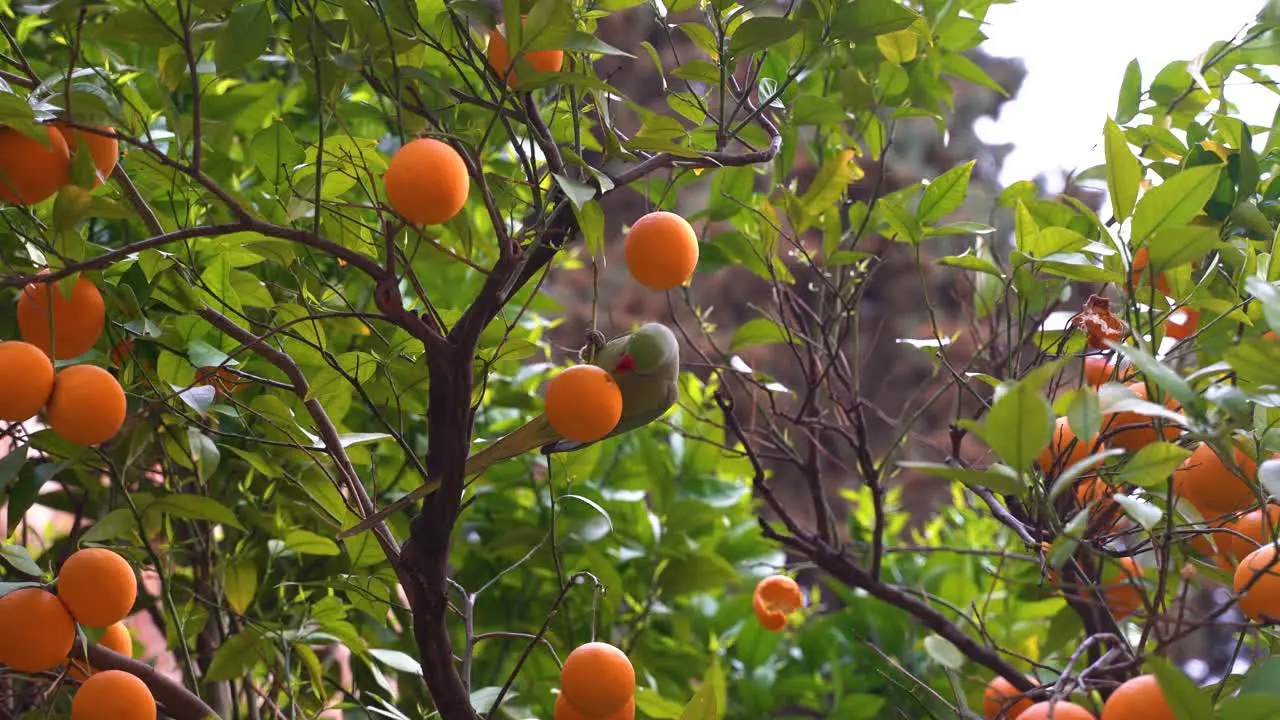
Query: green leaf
{"points": [[865, 19], [591, 222], [1172, 247], [578, 193], [653, 705], [695, 573], [1000, 478], [703, 705], [945, 194], [1174, 202], [1084, 415], [1152, 465], [240, 582], [761, 331], [1140, 511], [1130, 93], [1159, 374], [828, 185], [1188, 701], [246, 36], [195, 507], [11, 464], [305, 542], [760, 32], [1124, 171], [1262, 679], [966, 69], [18, 557], [114, 525], [970, 261], [237, 656], [1019, 426], [396, 660], [899, 47], [943, 652]]}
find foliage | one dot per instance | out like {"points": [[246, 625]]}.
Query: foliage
{"points": [[358, 357]]}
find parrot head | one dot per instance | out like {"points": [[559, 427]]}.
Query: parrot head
{"points": [[649, 349]]}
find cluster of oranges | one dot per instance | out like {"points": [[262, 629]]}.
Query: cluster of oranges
{"points": [[1138, 697], [96, 589], [597, 682], [31, 170], [776, 597], [84, 404], [1241, 535]]}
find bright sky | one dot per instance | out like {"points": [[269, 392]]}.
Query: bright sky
{"points": [[1076, 52]]}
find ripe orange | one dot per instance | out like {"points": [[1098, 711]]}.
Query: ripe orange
{"points": [[1098, 370], [565, 711], [427, 181], [1064, 449], [105, 150], [661, 250], [1062, 710], [1262, 601], [27, 381], [1253, 525], [1138, 697], [1002, 696], [87, 405], [97, 586], [30, 172], [1133, 431], [1182, 323], [583, 403], [120, 352], [113, 695], [77, 321], [116, 637], [224, 381], [774, 598], [1123, 590], [1093, 489], [36, 632], [597, 679], [1141, 260], [1213, 487], [499, 55]]}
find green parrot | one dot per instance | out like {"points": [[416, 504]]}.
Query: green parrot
{"points": [[646, 366]]}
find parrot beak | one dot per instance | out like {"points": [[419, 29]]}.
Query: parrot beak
{"points": [[626, 364]]}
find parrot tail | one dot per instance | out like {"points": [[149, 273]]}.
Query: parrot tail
{"points": [[530, 436]]}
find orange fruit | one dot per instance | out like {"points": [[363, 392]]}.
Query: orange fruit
{"points": [[1098, 370], [565, 711], [1262, 601], [29, 171], [36, 632], [105, 150], [1002, 697], [87, 405], [97, 586], [120, 352], [597, 679], [116, 637], [1253, 525], [1063, 450], [77, 321], [1091, 490], [661, 250], [1141, 260], [1138, 697], [1133, 431], [1183, 323], [113, 695], [224, 381], [1123, 590], [774, 598], [499, 56], [427, 181], [1061, 710], [27, 380], [1213, 487], [583, 403]]}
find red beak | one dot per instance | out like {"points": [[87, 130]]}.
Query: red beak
{"points": [[626, 364]]}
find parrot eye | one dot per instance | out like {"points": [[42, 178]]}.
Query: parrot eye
{"points": [[626, 364]]}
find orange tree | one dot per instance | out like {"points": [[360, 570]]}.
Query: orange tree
{"points": [[317, 274]]}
